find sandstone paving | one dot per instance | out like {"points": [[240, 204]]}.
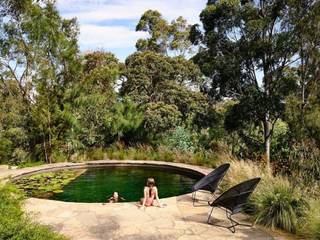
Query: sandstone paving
{"points": [[178, 220]]}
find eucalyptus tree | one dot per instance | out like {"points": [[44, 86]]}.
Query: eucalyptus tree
{"points": [[246, 49], [39, 52], [16, 62], [159, 76], [163, 37], [305, 16]]}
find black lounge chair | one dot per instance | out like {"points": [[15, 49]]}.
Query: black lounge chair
{"points": [[233, 201], [210, 182]]}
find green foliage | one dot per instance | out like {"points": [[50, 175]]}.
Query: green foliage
{"points": [[29, 164], [146, 73], [95, 95], [14, 224], [39, 63], [179, 139], [153, 23], [298, 158], [161, 117], [280, 206], [312, 122], [14, 125], [95, 154], [124, 121], [310, 226], [156, 81], [238, 37], [160, 153], [5, 150], [163, 37]]}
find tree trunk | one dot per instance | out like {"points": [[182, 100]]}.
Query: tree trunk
{"points": [[267, 139], [45, 149], [303, 85], [50, 149]]}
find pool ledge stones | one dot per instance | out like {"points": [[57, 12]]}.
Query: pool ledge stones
{"points": [[18, 173], [95, 221]]}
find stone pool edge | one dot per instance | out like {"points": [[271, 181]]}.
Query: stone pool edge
{"points": [[18, 173]]}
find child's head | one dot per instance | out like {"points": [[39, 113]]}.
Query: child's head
{"points": [[115, 195], [151, 182]]}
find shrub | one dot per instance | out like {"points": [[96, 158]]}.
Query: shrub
{"points": [[5, 149], [161, 117], [95, 154], [279, 205], [166, 154], [19, 156], [241, 170], [162, 153], [59, 156], [29, 164], [310, 227], [179, 139], [14, 224]]}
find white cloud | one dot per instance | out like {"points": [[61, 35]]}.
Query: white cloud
{"points": [[98, 17], [89, 11], [93, 37]]}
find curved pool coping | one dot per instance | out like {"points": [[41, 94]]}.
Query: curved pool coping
{"points": [[13, 174]]}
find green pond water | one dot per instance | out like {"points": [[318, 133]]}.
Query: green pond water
{"points": [[97, 184]]}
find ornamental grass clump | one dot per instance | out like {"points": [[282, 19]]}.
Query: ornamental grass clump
{"points": [[309, 227], [278, 204], [242, 170]]}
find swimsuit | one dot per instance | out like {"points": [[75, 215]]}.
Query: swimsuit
{"points": [[150, 197]]}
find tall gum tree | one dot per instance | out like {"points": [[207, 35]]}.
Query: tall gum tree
{"points": [[246, 49], [39, 51], [164, 37]]}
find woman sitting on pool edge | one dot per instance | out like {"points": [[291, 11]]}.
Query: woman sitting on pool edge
{"points": [[150, 193]]}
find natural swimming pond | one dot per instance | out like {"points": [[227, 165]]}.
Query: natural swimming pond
{"points": [[97, 184]]}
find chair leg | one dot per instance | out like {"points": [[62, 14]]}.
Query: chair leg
{"points": [[193, 197], [194, 200], [238, 223], [234, 223], [208, 221]]}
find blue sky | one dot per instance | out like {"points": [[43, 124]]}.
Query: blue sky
{"points": [[110, 24]]}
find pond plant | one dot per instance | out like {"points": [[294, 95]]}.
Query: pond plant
{"points": [[45, 184]]}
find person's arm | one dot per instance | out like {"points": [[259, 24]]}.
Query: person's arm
{"points": [[157, 198]]}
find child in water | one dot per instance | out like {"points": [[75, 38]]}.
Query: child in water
{"points": [[115, 198]]}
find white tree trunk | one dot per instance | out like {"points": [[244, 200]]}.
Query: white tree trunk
{"points": [[267, 139]]}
